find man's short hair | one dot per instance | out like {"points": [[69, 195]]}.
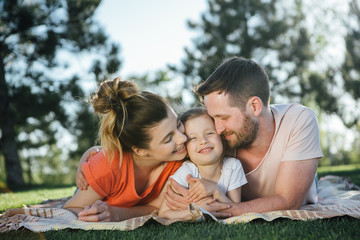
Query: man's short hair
{"points": [[240, 78]]}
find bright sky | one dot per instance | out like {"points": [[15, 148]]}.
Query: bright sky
{"points": [[151, 33]]}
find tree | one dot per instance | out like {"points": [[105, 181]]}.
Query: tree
{"points": [[274, 33], [38, 42], [351, 66]]}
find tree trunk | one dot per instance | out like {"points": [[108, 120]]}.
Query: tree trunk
{"points": [[14, 177]]}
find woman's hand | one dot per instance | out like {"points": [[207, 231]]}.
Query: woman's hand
{"points": [[100, 211], [81, 182]]}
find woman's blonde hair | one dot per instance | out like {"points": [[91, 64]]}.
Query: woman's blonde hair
{"points": [[126, 114]]}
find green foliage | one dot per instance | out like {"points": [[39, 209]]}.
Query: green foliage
{"points": [[161, 83], [351, 67], [40, 107], [271, 32], [278, 36]]}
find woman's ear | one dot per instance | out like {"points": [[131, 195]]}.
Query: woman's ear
{"points": [[140, 151], [255, 105]]}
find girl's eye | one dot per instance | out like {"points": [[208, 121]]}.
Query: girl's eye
{"points": [[191, 139], [210, 133]]}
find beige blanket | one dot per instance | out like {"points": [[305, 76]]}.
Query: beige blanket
{"points": [[337, 197]]}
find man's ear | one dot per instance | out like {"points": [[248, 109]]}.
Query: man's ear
{"points": [[255, 105], [140, 151]]}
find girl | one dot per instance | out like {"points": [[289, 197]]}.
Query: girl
{"points": [[209, 173]]}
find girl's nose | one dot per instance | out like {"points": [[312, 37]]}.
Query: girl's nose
{"points": [[203, 140]]}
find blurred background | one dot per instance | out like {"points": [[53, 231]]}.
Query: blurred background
{"points": [[53, 54]]}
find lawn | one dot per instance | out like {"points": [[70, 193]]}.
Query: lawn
{"points": [[334, 228]]}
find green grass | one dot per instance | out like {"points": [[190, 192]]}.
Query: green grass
{"points": [[351, 171], [33, 196], [334, 228]]}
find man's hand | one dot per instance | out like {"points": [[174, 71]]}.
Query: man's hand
{"points": [[174, 196], [81, 182], [100, 211], [215, 208]]}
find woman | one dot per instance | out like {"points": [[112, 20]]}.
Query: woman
{"points": [[142, 145]]}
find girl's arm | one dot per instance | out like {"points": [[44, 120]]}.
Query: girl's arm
{"points": [[234, 195]]}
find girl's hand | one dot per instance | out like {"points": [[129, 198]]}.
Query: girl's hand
{"points": [[201, 188], [81, 182], [100, 211]]}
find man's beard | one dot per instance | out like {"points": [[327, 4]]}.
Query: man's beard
{"points": [[246, 135]]}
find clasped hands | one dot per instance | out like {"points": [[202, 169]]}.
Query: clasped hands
{"points": [[201, 192]]}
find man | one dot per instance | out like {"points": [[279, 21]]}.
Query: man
{"points": [[278, 145]]}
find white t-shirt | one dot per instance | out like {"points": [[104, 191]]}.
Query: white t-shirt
{"points": [[232, 175], [296, 138]]}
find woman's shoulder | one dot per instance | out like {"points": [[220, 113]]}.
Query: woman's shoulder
{"points": [[102, 162]]}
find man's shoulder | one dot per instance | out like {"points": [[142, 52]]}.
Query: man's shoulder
{"points": [[289, 110]]}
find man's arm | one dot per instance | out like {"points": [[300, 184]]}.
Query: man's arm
{"points": [[293, 181], [81, 182]]}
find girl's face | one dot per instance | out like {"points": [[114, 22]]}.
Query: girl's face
{"points": [[204, 145], [168, 140]]}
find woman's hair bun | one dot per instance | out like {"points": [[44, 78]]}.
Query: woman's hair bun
{"points": [[112, 95]]}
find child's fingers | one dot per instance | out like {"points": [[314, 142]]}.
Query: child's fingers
{"points": [[196, 194], [191, 180], [191, 193], [199, 197]]}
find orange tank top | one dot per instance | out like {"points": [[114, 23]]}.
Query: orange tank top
{"points": [[116, 185]]}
